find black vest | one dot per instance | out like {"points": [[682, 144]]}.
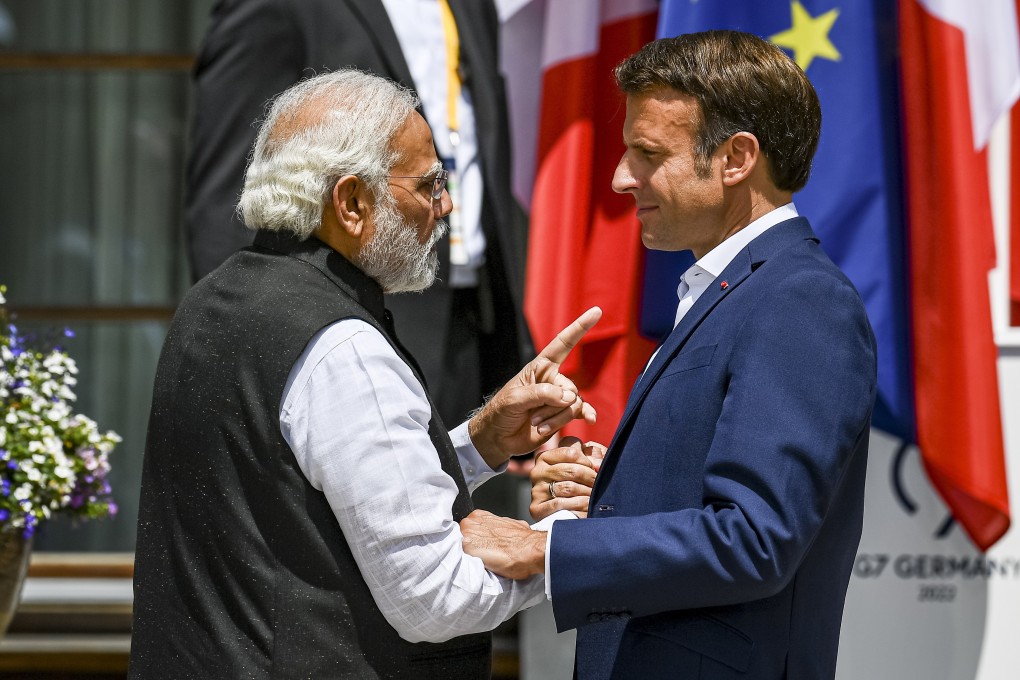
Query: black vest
{"points": [[241, 570]]}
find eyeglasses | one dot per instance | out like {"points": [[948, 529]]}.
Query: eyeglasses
{"points": [[438, 182]]}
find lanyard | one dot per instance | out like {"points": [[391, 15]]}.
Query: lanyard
{"points": [[458, 248], [452, 69]]}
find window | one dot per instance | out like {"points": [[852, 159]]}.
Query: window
{"points": [[94, 108]]}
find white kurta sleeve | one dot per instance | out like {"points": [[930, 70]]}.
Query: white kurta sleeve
{"points": [[357, 420]]}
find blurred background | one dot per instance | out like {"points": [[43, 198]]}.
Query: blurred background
{"points": [[96, 100]]}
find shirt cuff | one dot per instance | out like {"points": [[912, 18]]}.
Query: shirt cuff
{"points": [[476, 470], [547, 526]]}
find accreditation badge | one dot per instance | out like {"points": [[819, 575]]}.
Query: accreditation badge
{"points": [[458, 248]]}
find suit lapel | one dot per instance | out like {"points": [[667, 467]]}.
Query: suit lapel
{"points": [[470, 31], [736, 273], [479, 71], [378, 28]]}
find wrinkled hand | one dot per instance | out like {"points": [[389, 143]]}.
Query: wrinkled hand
{"points": [[563, 477], [507, 547], [535, 403]]}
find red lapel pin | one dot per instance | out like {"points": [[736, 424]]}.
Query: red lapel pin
{"points": [[724, 285]]}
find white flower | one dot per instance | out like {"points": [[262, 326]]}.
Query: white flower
{"points": [[58, 412], [12, 417], [23, 492]]}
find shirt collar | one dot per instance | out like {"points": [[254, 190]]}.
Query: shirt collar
{"points": [[717, 259], [712, 263]]}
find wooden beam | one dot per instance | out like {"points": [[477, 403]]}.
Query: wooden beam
{"points": [[82, 565], [94, 61]]}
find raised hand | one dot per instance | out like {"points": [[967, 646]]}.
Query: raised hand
{"points": [[536, 402]]}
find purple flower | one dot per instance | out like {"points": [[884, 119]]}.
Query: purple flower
{"points": [[5, 515], [113, 508], [12, 465], [68, 333]]}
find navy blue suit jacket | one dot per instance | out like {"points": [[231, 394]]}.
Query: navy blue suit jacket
{"points": [[726, 516]]}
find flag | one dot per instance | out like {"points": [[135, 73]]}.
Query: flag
{"points": [[860, 206], [1014, 218], [853, 198], [961, 70], [584, 247]]}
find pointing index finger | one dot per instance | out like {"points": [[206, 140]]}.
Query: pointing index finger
{"points": [[558, 350]]}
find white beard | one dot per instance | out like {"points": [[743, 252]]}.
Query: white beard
{"points": [[393, 257]]}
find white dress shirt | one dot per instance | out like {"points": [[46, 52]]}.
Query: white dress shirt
{"points": [[357, 420], [419, 28], [693, 283], [699, 275]]}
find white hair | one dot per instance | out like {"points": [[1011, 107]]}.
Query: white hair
{"points": [[325, 127]]}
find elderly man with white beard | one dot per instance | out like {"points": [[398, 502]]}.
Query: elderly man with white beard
{"points": [[300, 496]]}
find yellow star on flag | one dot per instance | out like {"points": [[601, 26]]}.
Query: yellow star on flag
{"points": [[809, 36]]}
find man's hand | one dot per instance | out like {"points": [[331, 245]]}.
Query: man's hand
{"points": [[507, 547], [562, 478], [536, 402]]}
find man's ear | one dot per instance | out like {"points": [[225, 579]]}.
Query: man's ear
{"points": [[742, 156], [350, 204]]}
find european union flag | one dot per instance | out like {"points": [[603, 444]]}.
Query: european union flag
{"points": [[853, 199]]}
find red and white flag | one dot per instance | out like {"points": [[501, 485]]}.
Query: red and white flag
{"points": [[961, 72], [584, 246], [1014, 218]]}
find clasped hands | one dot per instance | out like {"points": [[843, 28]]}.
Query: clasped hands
{"points": [[561, 480]]}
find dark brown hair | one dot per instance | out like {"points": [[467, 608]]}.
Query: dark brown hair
{"points": [[742, 84]]}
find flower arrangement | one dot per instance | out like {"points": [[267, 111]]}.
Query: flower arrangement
{"points": [[52, 460]]}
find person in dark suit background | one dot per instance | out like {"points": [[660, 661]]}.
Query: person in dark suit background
{"points": [[724, 519], [467, 331]]}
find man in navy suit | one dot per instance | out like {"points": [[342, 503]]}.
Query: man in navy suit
{"points": [[723, 522]]}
